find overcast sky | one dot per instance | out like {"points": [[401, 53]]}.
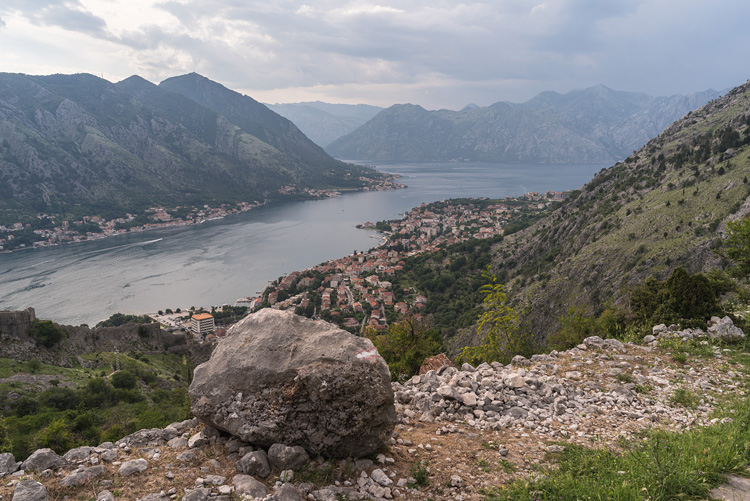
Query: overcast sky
{"points": [[436, 53]]}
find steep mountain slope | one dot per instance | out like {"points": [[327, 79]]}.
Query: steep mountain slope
{"points": [[588, 126], [82, 145], [253, 117], [665, 206], [325, 122]]}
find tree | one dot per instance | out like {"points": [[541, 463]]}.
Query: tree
{"points": [[124, 379], [47, 333], [498, 326], [405, 345], [6, 443], [737, 244], [56, 436]]}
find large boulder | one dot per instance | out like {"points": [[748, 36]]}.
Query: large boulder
{"points": [[723, 329], [282, 378]]}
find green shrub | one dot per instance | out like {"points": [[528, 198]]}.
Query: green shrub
{"points": [[47, 333], [6, 443], [60, 399], [682, 298], [55, 436], [124, 379], [498, 326], [405, 345]]}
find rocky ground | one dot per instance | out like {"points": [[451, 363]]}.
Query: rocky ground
{"points": [[460, 433]]}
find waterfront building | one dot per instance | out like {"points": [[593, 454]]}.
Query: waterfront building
{"points": [[202, 323]]}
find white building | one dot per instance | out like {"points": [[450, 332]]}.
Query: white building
{"points": [[202, 323]]}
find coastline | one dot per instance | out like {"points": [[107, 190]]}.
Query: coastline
{"points": [[64, 237]]}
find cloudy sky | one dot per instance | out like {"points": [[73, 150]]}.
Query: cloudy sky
{"points": [[437, 53]]}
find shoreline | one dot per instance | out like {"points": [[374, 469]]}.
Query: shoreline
{"points": [[239, 208]]}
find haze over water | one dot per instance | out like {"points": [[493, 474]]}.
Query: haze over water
{"points": [[220, 261]]}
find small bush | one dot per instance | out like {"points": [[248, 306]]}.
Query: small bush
{"points": [[47, 333], [124, 379]]}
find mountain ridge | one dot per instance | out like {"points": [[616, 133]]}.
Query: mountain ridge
{"points": [[106, 145], [594, 125]]}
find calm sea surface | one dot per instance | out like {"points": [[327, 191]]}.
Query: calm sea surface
{"points": [[219, 261]]}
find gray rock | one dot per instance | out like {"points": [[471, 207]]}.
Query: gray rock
{"points": [[287, 492], [156, 496], [133, 466], [187, 457], [254, 463], [282, 378], [82, 476], [105, 496], [7, 464], [183, 426], [78, 454], [109, 455], [659, 329], [43, 459], [245, 484], [153, 436], [198, 440], [284, 457], [381, 478], [520, 361], [215, 480], [723, 329], [178, 443], [649, 339], [200, 494], [30, 490]]}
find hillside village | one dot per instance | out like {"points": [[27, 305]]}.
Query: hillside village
{"points": [[355, 291]]}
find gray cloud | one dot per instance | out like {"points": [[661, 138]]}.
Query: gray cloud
{"points": [[436, 53], [66, 14]]}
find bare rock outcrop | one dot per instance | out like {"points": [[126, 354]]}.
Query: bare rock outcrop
{"points": [[282, 378]]}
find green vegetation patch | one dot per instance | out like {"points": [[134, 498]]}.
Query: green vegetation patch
{"points": [[663, 466]]}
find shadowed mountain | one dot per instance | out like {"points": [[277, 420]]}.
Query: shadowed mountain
{"points": [[585, 126], [79, 144]]}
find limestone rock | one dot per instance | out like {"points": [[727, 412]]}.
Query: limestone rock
{"points": [[287, 492], [30, 490], [200, 494], [7, 464], [133, 466], [724, 329], [254, 463], [245, 484], [284, 457], [281, 378], [43, 459], [105, 496], [78, 454], [83, 476]]}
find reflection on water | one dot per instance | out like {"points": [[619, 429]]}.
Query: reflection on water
{"points": [[219, 261]]}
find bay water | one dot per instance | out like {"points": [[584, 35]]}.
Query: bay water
{"points": [[219, 261]]}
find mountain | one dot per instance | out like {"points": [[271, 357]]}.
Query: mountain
{"points": [[325, 122], [80, 145], [595, 125], [665, 206]]}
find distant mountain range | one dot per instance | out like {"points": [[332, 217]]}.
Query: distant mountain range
{"points": [[325, 122], [594, 125], [78, 144]]}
